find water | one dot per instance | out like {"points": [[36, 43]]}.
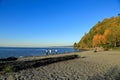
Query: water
{"points": [[18, 52]]}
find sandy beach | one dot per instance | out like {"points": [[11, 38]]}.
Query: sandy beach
{"points": [[104, 65]]}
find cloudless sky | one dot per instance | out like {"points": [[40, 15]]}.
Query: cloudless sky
{"points": [[37, 23]]}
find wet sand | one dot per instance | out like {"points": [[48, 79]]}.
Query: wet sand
{"points": [[104, 65]]}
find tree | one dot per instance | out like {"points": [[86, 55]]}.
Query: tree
{"points": [[114, 36], [98, 40], [118, 14], [75, 45]]}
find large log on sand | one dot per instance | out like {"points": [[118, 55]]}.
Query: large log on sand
{"points": [[20, 65]]}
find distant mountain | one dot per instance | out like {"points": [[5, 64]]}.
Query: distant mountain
{"points": [[104, 34]]}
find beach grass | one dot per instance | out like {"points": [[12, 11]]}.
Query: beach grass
{"points": [[8, 68]]}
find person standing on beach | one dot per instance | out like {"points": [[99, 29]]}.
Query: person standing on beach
{"points": [[46, 52], [56, 51], [50, 51]]}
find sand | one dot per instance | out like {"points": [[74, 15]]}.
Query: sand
{"points": [[104, 65]]}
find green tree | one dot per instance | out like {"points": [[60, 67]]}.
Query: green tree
{"points": [[75, 45], [114, 37]]}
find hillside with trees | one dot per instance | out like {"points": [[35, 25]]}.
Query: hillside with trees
{"points": [[104, 34]]}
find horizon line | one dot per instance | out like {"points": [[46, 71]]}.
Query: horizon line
{"points": [[32, 46]]}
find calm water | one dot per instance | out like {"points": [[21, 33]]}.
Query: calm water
{"points": [[17, 52]]}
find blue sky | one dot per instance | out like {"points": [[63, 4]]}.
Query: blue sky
{"points": [[37, 23]]}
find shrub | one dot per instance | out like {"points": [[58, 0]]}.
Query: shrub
{"points": [[8, 68], [78, 56]]}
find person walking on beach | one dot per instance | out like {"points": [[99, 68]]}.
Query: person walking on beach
{"points": [[50, 51], [46, 51], [56, 51]]}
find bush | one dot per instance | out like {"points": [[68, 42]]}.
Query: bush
{"points": [[107, 46], [8, 68], [78, 56]]}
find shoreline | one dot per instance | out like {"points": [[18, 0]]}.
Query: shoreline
{"points": [[90, 66], [33, 62]]}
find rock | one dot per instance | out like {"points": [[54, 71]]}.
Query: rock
{"points": [[10, 77]]}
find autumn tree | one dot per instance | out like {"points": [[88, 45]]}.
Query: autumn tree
{"points": [[98, 40], [114, 36], [104, 33]]}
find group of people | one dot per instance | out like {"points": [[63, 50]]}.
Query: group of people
{"points": [[50, 51]]}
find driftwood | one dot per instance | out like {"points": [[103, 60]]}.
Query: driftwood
{"points": [[20, 65], [9, 59]]}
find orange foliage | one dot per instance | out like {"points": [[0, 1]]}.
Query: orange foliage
{"points": [[106, 32], [103, 39], [97, 28], [98, 39]]}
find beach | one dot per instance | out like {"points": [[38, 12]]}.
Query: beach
{"points": [[104, 65]]}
